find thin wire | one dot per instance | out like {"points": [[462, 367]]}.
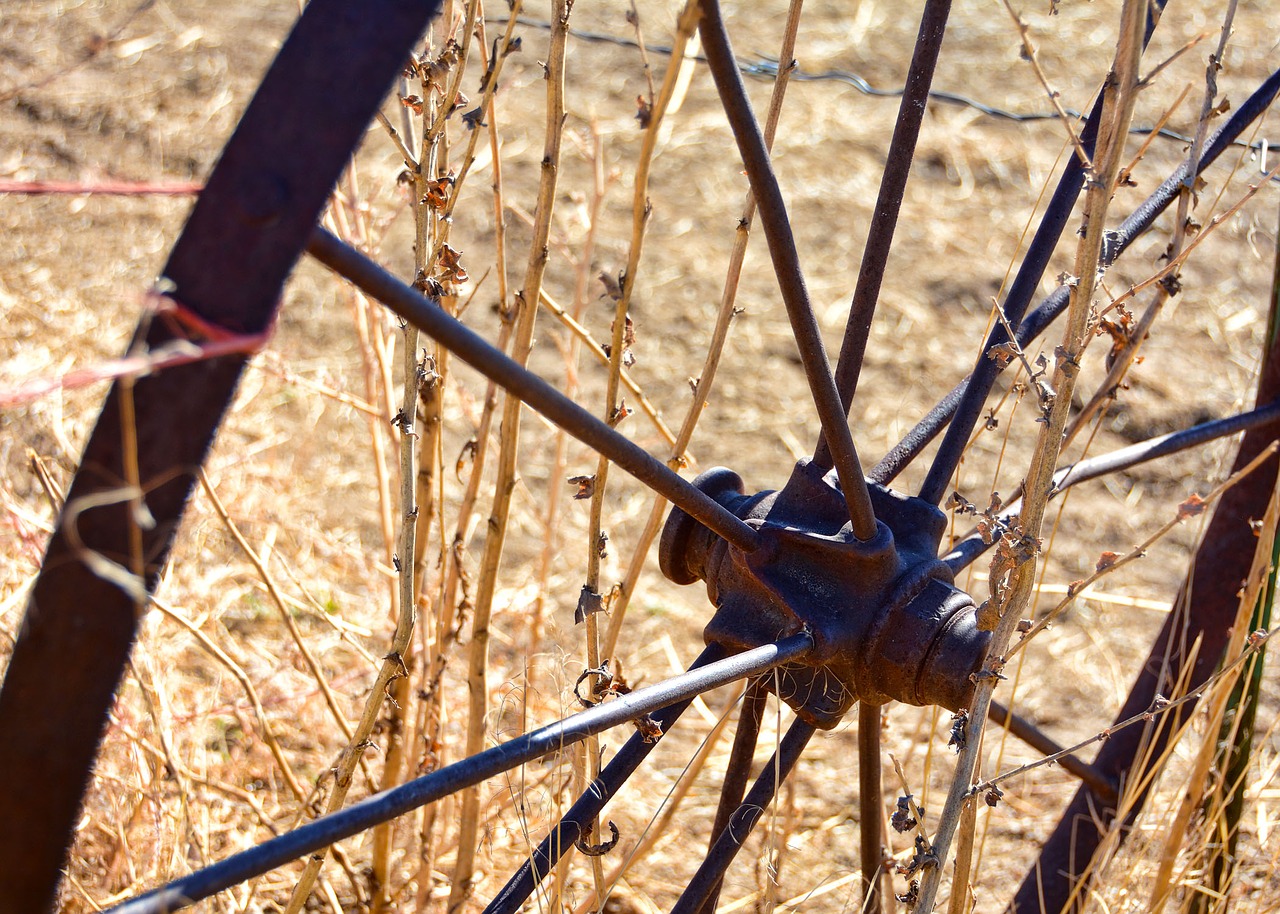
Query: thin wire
{"points": [[765, 67]]}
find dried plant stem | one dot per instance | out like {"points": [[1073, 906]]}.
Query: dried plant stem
{"points": [[449, 607], [961, 883], [559, 460], [1029, 54], [269, 582], [1194, 795], [641, 208], [715, 348], [661, 823], [421, 418], [393, 668], [486, 103], [433, 127], [249, 690], [478, 659], [409, 161], [1187, 509], [1166, 289], [1014, 567], [1209, 229], [1253, 643], [644, 404], [368, 339]]}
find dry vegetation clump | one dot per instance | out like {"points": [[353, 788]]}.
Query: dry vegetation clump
{"points": [[268, 640]]}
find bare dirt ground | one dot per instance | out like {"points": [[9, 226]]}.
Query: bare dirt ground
{"points": [[98, 89]]}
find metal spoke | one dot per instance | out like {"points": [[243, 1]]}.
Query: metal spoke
{"points": [[452, 778], [587, 807], [869, 789], [469, 346], [738, 770], [1042, 246], [711, 872], [969, 408], [916, 440], [965, 552], [884, 219], [786, 264]]}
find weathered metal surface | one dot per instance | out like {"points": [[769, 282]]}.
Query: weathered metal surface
{"points": [[887, 621], [223, 279]]}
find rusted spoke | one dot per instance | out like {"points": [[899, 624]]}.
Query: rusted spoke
{"points": [[786, 264], [537, 393], [884, 219]]}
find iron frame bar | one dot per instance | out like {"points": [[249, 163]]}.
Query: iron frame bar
{"points": [[711, 872], [223, 277], [1035, 323], [586, 808], [786, 265], [969, 548], [388, 804], [466, 344], [884, 218]]}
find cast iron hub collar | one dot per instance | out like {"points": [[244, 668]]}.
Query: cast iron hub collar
{"points": [[887, 620]]}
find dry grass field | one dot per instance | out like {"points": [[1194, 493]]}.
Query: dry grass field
{"points": [[282, 588]]}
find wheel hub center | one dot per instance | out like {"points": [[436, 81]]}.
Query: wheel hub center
{"points": [[887, 620]]}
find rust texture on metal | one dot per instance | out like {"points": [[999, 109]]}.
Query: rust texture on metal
{"points": [[887, 620], [226, 274]]}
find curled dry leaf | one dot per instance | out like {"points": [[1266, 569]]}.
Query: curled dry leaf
{"points": [[649, 729], [619, 413], [644, 111], [450, 263], [465, 456], [586, 486], [612, 287], [902, 820], [959, 725], [1192, 507], [589, 603], [599, 850], [1003, 354], [437, 195]]}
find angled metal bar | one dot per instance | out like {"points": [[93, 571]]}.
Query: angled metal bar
{"points": [[1030, 272], [223, 279], [738, 771], [711, 873], [884, 218], [965, 552], [587, 807], [1035, 323], [786, 265], [473, 349], [387, 805]]}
